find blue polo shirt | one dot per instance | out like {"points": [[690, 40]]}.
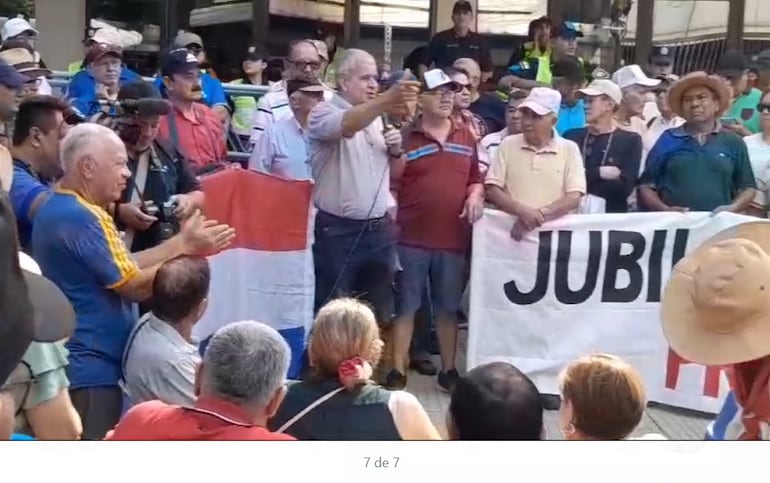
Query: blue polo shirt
{"points": [[78, 248], [81, 90], [571, 117], [25, 188], [700, 177]]}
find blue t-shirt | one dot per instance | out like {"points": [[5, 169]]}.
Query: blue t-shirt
{"points": [[78, 248], [81, 90], [25, 188], [213, 92], [571, 117]]}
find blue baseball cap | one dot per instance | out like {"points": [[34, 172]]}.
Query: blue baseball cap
{"points": [[10, 77]]}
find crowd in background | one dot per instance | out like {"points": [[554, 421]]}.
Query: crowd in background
{"points": [[104, 239]]}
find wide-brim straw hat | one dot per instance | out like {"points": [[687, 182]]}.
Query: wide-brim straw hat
{"points": [[715, 308], [714, 83]]}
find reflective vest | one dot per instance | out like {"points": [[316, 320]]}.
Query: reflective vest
{"points": [[75, 67], [244, 113]]}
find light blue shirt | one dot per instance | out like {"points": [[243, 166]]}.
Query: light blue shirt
{"points": [[282, 151], [571, 117]]}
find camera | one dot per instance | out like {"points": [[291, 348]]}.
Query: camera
{"points": [[168, 223]]}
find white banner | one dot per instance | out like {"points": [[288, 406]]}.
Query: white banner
{"points": [[588, 283]]}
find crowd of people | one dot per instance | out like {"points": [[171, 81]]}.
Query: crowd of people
{"points": [[104, 242]]}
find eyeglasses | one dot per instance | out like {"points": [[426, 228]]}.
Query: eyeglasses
{"points": [[19, 385], [763, 108], [302, 65]]}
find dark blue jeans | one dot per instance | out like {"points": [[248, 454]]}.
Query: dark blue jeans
{"points": [[355, 258]]}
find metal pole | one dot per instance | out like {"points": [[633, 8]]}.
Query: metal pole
{"points": [[260, 21], [645, 14], [352, 25], [735, 23]]}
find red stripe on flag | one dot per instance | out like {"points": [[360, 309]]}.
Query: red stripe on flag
{"points": [[268, 213]]}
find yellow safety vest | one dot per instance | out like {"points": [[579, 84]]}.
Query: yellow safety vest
{"points": [[245, 110], [75, 67]]}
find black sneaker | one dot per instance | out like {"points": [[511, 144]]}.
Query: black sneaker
{"points": [[426, 367], [395, 380], [447, 380]]}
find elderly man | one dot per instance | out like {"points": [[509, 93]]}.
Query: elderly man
{"points": [[100, 80], [161, 357], [159, 173], [193, 128], [537, 176], [698, 166], [239, 388], [282, 149], [351, 153], [38, 129], [78, 247], [488, 109], [213, 92], [491, 142], [440, 195], [635, 86], [303, 63]]}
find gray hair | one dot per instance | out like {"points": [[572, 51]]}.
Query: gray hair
{"points": [[84, 140], [246, 363], [350, 61]]}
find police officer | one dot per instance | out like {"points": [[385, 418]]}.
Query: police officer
{"points": [[661, 61], [532, 65], [160, 176], [459, 42]]}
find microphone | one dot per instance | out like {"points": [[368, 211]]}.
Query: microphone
{"points": [[145, 106]]}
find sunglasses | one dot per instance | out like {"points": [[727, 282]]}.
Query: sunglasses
{"points": [[763, 108]]}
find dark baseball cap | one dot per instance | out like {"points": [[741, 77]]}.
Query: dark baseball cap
{"points": [[10, 78], [302, 85], [32, 308], [257, 52], [570, 69], [178, 61], [462, 6], [97, 51], [567, 30], [731, 63], [662, 55]]}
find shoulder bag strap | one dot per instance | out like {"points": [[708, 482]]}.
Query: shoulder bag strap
{"points": [[309, 408], [137, 194]]}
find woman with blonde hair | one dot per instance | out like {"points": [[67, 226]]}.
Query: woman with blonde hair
{"points": [[603, 398], [339, 401]]}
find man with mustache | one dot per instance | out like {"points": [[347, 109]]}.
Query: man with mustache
{"points": [[439, 195], [192, 127], [698, 166]]}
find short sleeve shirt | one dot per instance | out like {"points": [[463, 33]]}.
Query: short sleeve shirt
{"points": [[434, 187], [700, 177], [446, 47], [79, 249], [200, 135], [537, 177], [25, 189], [744, 110]]}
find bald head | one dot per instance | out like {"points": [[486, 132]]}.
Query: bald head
{"points": [[472, 68], [95, 163]]}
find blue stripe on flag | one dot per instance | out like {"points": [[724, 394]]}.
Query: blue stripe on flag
{"points": [[295, 337], [717, 430]]}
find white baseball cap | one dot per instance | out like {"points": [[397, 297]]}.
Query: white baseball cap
{"points": [[542, 101], [633, 75], [436, 78], [14, 27], [603, 87]]}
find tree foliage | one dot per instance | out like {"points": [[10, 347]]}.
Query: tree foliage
{"points": [[14, 8]]}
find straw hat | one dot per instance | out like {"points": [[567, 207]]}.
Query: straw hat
{"points": [[25, 62], [695, 79], [716, 306]]}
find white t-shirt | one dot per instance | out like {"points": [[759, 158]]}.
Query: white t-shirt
{"points": [[759, 155]]}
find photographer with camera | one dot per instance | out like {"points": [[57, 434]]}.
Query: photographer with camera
{"points": [[162, 189]]}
